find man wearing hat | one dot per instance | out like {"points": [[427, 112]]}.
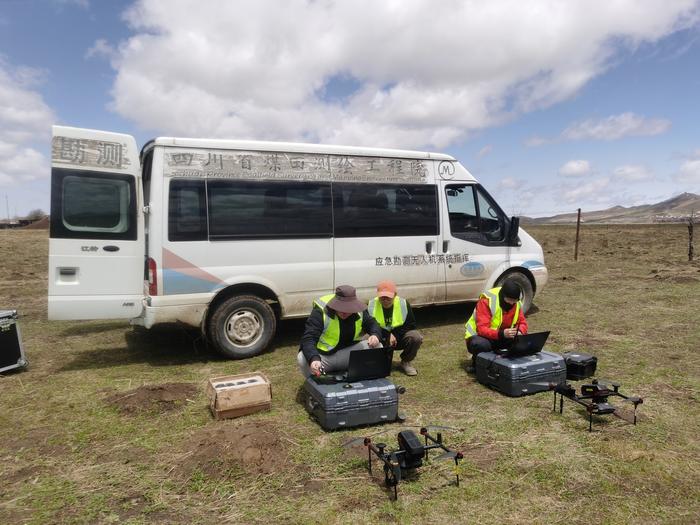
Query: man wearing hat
{"points": [[334, 329], [395, 318], [497, 318]]}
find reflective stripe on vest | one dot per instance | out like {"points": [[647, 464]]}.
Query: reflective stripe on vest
{"points": [[496, 313], [398, 315], [330, 337]]}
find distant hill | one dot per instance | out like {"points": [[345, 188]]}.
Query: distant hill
{"points": [[676, 207]]}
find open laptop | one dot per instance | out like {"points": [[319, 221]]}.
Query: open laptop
{"points": [[373, 363], [528, 344]]}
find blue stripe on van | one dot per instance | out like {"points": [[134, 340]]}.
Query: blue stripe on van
{"points": [[175, 283], [532, 264]]}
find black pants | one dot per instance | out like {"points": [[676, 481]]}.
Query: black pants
{"points": [[477, 344]]}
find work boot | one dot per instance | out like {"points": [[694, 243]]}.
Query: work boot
{"points": [[408, 369], [471, 369]]}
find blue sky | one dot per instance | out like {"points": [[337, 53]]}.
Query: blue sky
{"points": [[551, 105]]}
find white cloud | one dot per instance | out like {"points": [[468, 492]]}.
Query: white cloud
{"points": [[508, 183], [486, 150], [616, 127], [427, 74], [25, 120], [633, 173], [575, 168], [101, 48], [589, 192], [689, 172]]}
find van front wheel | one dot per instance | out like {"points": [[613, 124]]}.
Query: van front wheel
{"points": [[242, 326]]}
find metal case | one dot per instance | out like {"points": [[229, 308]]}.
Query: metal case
{"points": [[11, 350], [580, 366], [519, 376], [345, 405]]}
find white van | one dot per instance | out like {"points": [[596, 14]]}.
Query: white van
{"points": [[231, 236]]}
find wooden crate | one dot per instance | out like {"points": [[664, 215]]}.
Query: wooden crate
{"points": [[238, 395]]}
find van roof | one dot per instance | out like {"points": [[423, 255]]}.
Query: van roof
{"points": [[296, 147]]}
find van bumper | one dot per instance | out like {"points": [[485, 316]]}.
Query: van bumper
{"points": [[541, 276], [191, 315]]}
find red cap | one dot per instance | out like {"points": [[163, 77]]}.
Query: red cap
{"points": [[386, 289]]}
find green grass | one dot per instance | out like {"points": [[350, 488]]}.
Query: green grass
{"points": [[632, 299]]}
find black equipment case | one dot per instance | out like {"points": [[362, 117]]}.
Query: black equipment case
{"points": [[11, 351], [580, 366], [519, 376], [345, 405]]}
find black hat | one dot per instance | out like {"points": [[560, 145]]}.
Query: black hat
{"points": [[511, 289], [346, 300]]}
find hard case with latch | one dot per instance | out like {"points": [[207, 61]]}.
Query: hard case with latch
{"points": [[11, 350], [519, 376]]}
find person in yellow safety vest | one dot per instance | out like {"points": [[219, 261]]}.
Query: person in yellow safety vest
{"points": [[334, 329], [497, 318], [395, 317]]}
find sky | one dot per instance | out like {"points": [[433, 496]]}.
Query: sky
{"points": [[552, 105]]}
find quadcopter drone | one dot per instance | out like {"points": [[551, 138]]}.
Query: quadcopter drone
{"points": [[594, 397], [409, 456]]}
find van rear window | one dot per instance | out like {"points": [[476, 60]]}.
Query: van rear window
{"points": [[187, 211], [385, 210]]}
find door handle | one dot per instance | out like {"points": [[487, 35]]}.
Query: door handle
{"points": [[445, 246], [67, 271], [429, 247], [111, 248]]}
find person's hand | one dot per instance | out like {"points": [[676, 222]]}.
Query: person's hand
{"points": [[373, 341], [510, 332], [392, 340], [315, 367]]}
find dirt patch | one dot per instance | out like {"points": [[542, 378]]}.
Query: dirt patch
{"points": [[482, 456], [153, 398], [223, 451]]}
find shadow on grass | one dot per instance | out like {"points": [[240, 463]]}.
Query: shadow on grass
{"points": [[94, 328]]}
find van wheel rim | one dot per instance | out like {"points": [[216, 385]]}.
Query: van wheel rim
{"points": [[243, 328]]}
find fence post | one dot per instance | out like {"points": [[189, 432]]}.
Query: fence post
{"points": [[691, 219], [578, 228]]}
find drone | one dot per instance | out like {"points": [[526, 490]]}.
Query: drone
{"points": [[594, 397], [409, 456]]}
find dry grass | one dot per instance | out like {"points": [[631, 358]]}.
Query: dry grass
{"points": [[69, 456]]}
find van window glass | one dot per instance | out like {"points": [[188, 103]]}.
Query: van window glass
{"points": [[461, 206], [271, 209], [491, 221], [92, 205], [384, 210], [187, 211]]}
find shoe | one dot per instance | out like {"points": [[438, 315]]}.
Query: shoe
{"points": [[471, 370], [408, 369]]}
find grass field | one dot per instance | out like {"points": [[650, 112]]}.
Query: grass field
{"points": [[82, 442]]}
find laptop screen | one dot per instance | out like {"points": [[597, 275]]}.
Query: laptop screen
{"points": [[528, 344], [373, 363]]}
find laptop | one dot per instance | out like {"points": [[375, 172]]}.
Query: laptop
{"points": [[528, 344]]}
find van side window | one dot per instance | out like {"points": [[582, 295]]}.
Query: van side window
{"points": [[384, 210], [461, 206], [91, 205], [187, 211], [269, 209], [491, 222]]}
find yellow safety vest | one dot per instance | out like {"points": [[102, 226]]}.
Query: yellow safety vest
{"points": [[398, 315], [496, 313], [330, 337]]}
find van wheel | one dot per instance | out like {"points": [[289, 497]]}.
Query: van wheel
{"points": [[242, 326], [525, 286]]}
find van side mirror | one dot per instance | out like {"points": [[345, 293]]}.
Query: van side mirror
{"points": [[513, 231]]}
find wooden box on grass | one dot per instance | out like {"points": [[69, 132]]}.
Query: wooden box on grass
{"points": [[238, 395]]}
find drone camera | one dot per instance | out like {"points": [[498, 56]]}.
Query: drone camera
{"points": [[413, 449]]}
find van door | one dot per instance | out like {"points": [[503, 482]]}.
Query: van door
{"points": [[473, 239], [96, 244], [388, 231]]}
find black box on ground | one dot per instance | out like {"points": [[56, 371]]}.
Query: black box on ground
{"points": [[11, 351], [345, 405], [580, 366], [519, 376]]}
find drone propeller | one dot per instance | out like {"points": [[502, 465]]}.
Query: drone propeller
{"points": [[361, 440], [450, 454]]}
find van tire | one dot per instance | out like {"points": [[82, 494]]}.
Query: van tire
{"points": [[525, 285], [242, 326]]}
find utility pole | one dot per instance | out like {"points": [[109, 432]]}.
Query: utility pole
{"points": [[578, 228], [7, 204], [691, 219]]}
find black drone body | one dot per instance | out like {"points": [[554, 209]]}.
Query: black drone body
{"points": [[409, 456], [594, 397]]}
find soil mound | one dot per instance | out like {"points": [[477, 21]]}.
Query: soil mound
{"points": [[222, 451], [153, 398]]}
